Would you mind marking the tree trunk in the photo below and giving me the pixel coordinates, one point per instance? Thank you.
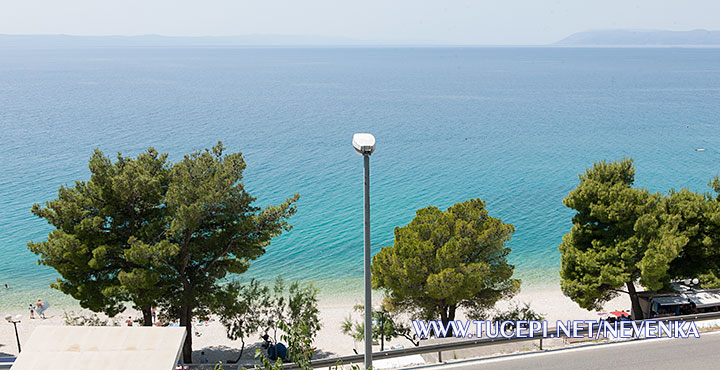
(451, 317)
(147, 315)
(636, 311)
(447, 313)
(186, 321)
(242, 349)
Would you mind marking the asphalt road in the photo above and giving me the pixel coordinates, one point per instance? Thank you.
(656, 354)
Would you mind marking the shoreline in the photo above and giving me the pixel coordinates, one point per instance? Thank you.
(330, 291)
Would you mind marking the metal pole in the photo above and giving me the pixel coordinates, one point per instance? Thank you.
(368, 287)
(17, 337)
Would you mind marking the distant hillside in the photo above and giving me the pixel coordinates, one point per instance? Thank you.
(69, 41)
(642, 38)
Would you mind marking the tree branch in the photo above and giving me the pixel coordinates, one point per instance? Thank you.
(211, 263)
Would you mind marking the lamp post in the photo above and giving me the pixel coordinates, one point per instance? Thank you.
(15, 321)
(364, 144)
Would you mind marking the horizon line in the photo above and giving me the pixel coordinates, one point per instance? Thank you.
(290, 40)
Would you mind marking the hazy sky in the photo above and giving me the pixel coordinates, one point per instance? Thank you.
(446, 21)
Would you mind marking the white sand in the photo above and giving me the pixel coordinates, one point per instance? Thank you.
(548, 301)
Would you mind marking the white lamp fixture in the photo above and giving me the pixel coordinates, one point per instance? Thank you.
(364, 144)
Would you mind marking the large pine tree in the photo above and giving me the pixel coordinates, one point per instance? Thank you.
(149, 232)
(620, 236)
(444, 260)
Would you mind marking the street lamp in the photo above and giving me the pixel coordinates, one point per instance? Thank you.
(15, 321)
(364, 144)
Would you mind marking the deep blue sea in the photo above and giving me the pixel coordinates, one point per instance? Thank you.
(512, 126)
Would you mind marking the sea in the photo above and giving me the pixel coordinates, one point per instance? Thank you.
(511, 126)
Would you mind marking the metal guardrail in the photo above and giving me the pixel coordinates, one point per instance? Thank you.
(479, 342)
(6, 362)
(450, 346)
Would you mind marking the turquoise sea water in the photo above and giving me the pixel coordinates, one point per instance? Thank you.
(513, 126)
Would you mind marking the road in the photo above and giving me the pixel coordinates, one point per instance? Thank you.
(655, 354)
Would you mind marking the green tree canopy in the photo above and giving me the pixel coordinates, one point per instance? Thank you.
(148, 231)
(96, 222)
(620, 235)
(387, 326)
(443, 260)
(241, 309)
(247, 309)
(699, 221)
(214, 229)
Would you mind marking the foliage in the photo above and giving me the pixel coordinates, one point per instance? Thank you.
(81, 319)
(300, 350)
(295, 305)
(241, 309)
(148, 231)
(517, 313)
(600, 254)
(387, 325)
(214, 230)
(246, 309)
(302, 308)
(299, 342)
(443, 260)
(96, 222)
(620, 235)
(699, 222)
(277, 309)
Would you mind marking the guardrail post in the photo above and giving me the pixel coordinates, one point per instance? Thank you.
(439, 356)
(541, 343)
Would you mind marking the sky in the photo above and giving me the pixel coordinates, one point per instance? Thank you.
(498, 22)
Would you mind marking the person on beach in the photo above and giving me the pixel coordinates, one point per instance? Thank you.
(154, 314)
(40, 309)
(7, 286)
(203, 358)
(129, 321)
(31, 308)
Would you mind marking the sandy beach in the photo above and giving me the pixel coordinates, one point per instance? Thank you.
(330, 341)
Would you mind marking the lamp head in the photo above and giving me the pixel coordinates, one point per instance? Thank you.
(364, 144)
(8, 317)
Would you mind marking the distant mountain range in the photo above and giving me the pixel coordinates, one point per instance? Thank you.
(698, 38)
